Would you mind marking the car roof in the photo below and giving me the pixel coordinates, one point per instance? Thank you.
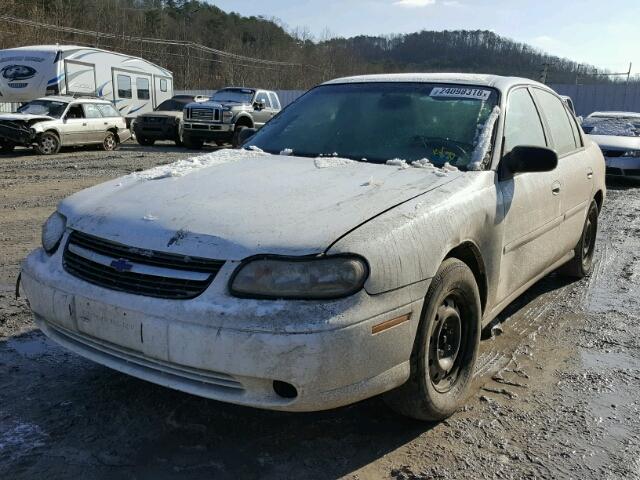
(476, 79)
(70, 99)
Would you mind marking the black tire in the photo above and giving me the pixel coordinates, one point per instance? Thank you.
(6, 147)
(47, 143)
(445, 349)
(110, 142)
(144, 141)
(192, 143)
(219, 143)
(235, 142)
(582, 263)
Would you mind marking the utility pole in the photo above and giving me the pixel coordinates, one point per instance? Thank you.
(545, 72)
(626, 87)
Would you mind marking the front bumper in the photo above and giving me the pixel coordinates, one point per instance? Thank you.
(208, 131)
(16, 135)
(156, 131)
(623, 166)
(231, 349)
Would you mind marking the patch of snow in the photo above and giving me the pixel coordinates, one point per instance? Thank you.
(447, 167)
(611, 126)
(190, 165)
(483, 141)
(329, 162)
(150, 218)
(255, 149)
(286, 151)
(423, 163)
(440, 173)
(373, 183)
(397, 162)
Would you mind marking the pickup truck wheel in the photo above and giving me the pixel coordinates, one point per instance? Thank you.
(235, 142)
(582, 263)
(6, 147)
(445, 348)
(47, 143)
(144, 141)
(192, 143)
(110, 142)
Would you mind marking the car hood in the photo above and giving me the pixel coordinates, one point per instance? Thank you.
(161, 113)
(235, 203)
(614, 142)
(24, 117)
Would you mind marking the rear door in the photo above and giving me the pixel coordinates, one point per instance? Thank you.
(574, 169)
(96, 124)
(261, 117)
(162, 89)
(122, 91)
(531, 201)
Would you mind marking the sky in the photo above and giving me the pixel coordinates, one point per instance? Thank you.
(604, 33)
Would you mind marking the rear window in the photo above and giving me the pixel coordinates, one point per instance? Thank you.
(557, 118)
(108, 110)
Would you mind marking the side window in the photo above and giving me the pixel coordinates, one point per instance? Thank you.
(142, 85)
(91, 110)
(75, 111)
(264, 98)
(574, 126)
(522, 122)
(163, 84)
(558, 120)
(275, 103)
(108, 110)
(124, 86)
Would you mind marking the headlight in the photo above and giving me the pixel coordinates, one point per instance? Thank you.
(227, 114)
(631, 153)
(52, 232)
(299, 278)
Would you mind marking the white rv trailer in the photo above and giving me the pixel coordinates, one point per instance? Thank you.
(134, 85)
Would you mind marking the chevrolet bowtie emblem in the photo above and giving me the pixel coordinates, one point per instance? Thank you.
(121, 265)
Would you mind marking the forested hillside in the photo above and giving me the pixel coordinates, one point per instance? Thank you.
(208, 48)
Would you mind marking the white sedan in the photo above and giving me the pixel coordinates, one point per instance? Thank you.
(356, 245)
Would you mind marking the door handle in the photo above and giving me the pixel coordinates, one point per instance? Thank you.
(589, 174)
(84, 124)
(555, 188)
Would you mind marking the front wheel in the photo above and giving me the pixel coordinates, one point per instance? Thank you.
(582, 262)
(192, 143)
(48, 143)
(235, 141)
(144, 141)
(445, 348)
(110, 142)
(6, 146)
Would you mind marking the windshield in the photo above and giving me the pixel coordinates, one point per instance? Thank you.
(614, 126)
(378, 122)
(44, 107)
(173, 105)
(233, 95)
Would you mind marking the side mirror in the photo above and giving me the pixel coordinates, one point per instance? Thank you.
(527, 159)
(245, 135)
(258, 105)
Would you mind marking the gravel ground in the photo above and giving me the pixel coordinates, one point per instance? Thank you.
(556, 389)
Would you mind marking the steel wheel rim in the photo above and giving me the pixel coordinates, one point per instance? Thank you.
(48, 145)
(589, 240)
(109, 143)
(446, 346)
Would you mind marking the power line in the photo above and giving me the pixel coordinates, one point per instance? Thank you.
(157, 41)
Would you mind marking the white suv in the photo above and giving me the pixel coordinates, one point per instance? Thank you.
(48, 123)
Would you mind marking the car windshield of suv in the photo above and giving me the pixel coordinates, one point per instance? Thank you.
(173, 105)
(233, 95)
(49, 108)
(617, 126)
(378, 122)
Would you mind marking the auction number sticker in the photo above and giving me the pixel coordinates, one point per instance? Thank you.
(459, 92)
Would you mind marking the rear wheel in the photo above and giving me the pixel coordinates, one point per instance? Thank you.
(445, 348)
(582, 263)
(144, 141)
(110, 142)
(48, 143)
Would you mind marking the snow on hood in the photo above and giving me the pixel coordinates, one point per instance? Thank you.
(613, 142)
(24, 116)
(235, 203)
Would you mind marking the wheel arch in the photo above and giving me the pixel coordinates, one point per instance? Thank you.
(244, 121)
(599, 198)
(469, 253)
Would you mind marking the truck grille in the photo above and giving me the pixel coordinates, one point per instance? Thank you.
(204, 114)
(613, 153)
(137, 271)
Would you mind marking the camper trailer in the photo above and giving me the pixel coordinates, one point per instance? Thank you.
(134, 85)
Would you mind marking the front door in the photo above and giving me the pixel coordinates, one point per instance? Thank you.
(531, 202)
(74, 128)
(260, 117)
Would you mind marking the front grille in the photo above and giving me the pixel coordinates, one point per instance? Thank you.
(204, 114)
(613, 171)
(613, 153)
(149, 273)
(154, 119)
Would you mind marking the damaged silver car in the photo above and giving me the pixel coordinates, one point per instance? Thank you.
(49, 123)
(355, 246)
